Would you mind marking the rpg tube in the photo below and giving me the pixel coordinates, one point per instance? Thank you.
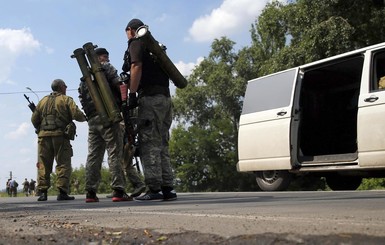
(93, 89)
(105, 90)
(168, 67)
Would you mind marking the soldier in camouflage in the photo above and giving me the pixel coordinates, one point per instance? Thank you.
(154, 113)
(101, 138)
(50, 118)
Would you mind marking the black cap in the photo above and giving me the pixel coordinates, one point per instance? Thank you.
(101, 51)
(134, 24)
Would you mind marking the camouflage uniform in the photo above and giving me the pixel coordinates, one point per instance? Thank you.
(51, 142)
(101, 138)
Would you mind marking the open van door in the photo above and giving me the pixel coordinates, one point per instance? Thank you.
(264, 129)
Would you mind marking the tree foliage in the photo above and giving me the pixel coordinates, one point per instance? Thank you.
(308, 30)
(79, 174)
(204, 145)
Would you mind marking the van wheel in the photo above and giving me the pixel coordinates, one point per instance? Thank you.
(338, 182)
(274, 180)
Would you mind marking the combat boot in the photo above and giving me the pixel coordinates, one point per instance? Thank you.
(63, 196)
(43, 196)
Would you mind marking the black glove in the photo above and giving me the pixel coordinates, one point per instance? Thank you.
(132, 101)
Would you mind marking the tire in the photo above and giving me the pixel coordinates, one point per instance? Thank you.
(274, 180)
(338, 182)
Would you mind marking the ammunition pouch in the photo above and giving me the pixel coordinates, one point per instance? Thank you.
(127, 64)
(50, 120)
(70, 131)
(49, 123)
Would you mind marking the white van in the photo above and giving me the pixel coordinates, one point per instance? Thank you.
(325, 118)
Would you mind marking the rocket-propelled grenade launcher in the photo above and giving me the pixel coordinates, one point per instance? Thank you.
(168, 67)
(97, 84)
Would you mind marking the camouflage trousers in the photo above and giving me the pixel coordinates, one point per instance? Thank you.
(155, 118)
(100, 139)
(52, 148)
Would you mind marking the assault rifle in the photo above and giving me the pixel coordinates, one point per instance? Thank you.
(130, 124)
(31, 105)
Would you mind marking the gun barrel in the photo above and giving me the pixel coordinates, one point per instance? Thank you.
(31, 105)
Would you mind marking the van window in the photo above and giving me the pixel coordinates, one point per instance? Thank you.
(270, 92)
(378, 72)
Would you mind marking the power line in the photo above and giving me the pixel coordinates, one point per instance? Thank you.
(38, 92)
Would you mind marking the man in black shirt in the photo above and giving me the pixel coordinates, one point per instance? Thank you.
(151, 83)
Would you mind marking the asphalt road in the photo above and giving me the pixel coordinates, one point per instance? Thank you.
(226, 215)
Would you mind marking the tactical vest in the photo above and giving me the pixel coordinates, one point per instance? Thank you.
(85, 99)
(50, 120)
(154, 80)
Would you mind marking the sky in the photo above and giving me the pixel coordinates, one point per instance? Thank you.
(38, 37)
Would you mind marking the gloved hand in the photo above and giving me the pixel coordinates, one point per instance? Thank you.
(132, 101)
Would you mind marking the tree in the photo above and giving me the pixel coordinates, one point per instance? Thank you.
(308, 30)
(79, 174)
(203, 146)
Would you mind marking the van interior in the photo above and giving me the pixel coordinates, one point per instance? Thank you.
(328, 108)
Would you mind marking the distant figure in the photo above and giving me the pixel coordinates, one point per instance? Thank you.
(32, 186)
(13, 187)
(8, 188)
(26, 187)
(76, 186)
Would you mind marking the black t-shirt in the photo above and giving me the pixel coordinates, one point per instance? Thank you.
(152, 73)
